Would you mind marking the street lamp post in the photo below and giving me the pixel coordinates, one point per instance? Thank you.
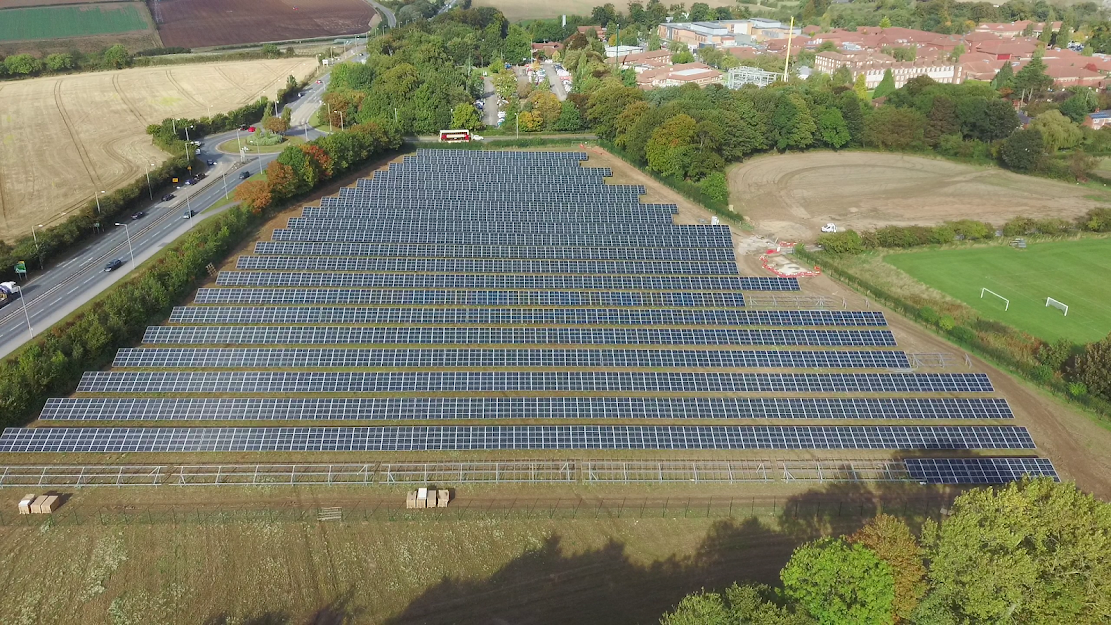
(340, 113)
(149, 189)
(26, 316)
(330, 117)
(97, 198)
(38, 249)
(517, 122)
(224, 177)
(127, 231)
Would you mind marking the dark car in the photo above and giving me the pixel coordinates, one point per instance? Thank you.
(210, 163)
(113, 265)
(188, 214)
(139, 215)
(243, 175)
(189, 181)
(168, 197)
(243, 127)
(200, 176)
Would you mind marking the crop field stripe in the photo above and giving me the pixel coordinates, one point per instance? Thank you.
(1073, 272)
(58, 22)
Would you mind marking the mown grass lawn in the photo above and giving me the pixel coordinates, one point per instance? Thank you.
(1077, 273)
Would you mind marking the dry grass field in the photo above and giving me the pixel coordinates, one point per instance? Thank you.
(516, 10)
(62, 139)
(792, 196)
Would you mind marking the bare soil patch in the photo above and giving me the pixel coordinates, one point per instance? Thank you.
(200, 23)
(791, 196)
(64, 138)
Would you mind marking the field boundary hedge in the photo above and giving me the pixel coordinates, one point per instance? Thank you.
(962, 335)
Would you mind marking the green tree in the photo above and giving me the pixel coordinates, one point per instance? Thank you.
(1079, 105)
(22, 65)
(569, 117)
(700, 12)
(517, 45)
(271, 51)
(792, 125)
(683, 56)
(464, 116)
(59, 62)
(1023, 151)
(851, 112)
(1031, 80)
(886, 86)
(860, 87)
(1093, 367)
(606, 104)
(891, 128)
(1004, 78)
(716, 187)
(842, 76)
(747, 605)
(1046, 546)
(941, 120)
(1057, 131)
(839, 583)
(885, 22)
(117, 57)
(832, 128)
(891, 540)
(670, 147)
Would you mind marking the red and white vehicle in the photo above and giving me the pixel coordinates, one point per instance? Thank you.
(455, 136)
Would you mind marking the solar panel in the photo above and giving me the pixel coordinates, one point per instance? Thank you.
(401, 236)
(453, 408)
(291, 382)
(485, 265)
(461, 297)
(471, 438)
(545, 282)
(514, 316)
(358, 335)
(978, 470)
(326, 357)
(387, 250)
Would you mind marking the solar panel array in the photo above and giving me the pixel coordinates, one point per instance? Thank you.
(524, 297)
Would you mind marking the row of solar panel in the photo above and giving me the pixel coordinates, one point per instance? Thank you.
(448, 171)
(510, 316)
(486, 265)
(455, 408)
(383, 358)
(440, 297)
(288, 382)
(468, 211)
(472, 438)
(472, 156)
(398, 235)
(529, 282)
(356, 335)
(540, 225)
(978, 470)
(321, 248)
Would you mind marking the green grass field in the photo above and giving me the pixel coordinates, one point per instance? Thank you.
(1077, 273)
(57, 22)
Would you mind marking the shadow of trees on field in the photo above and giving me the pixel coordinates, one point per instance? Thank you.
(549, 585)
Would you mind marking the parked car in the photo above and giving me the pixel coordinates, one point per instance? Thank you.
(189, 182)
(113, 265)
(250, 128)
(830, 227)
(200, 176)
(168, 197)
(243, 175)
(138, 215)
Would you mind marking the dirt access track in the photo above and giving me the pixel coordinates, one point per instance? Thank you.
(791, 196)
(64, 138)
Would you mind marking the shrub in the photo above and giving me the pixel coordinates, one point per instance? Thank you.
(946, 322)
(1042, 373)
(847, 242)
(962, 334)
(1078, 389)
(928, 315)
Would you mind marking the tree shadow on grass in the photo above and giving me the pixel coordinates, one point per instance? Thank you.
(548, 585)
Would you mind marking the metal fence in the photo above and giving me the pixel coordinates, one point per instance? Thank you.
(509, 471)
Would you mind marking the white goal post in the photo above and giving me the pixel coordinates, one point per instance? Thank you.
(1006, 302)
(1049, 301)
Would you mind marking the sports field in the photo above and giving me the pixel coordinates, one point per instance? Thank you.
(56, 22)
(1072, 272)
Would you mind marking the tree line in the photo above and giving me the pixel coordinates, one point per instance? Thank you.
(1030, 552)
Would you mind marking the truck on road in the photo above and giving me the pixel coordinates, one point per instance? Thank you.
(9, 291)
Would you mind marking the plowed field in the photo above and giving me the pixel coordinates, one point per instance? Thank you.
(64, 138)
(200, 23)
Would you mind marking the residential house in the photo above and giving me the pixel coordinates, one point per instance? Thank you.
(642, 61)
(873, 65)
(1098, 120)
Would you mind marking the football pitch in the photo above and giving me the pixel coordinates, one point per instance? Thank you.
(1076, 273)
(57, 22)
